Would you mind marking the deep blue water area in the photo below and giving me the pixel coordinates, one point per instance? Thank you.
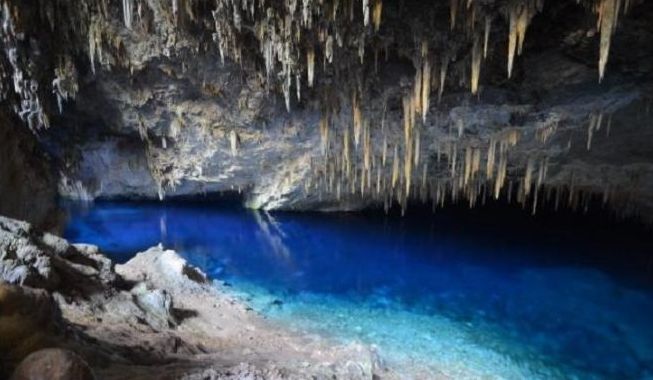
(462, 293)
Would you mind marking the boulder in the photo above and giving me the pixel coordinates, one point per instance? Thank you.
(30, 320)
(156, 304)
(53, 364)
(37, 259)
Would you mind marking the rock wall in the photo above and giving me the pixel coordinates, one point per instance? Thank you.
(28, 185)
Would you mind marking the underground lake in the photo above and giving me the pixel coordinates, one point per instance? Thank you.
(513, 297)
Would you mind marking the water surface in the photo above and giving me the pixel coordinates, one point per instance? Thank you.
(458, 294)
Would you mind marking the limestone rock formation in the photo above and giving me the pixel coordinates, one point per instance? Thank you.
(302, 106)
(30, 257)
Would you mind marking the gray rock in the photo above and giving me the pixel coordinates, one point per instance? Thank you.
(33, 258)
(157, 305)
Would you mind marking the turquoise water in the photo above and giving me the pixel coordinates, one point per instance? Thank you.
(460, 294)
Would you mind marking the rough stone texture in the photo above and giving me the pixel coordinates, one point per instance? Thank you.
(157, 305)
(30, 257)
(164, 127)
(27, 180)
(53, 364)
(157, 114)
(30, 319)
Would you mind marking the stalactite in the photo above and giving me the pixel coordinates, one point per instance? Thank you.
(298, 85)
(417, 142)
(324, 132)
(468, 165)
(491, 154)
(366, 12)
(512, 38)
(384, 153)
(376, 14)
(234, 142)
(460, 126)
(528, 177)
(127, 13)
(476, 65)
(486, 35)
(310, 65)
(608, 11)
(522, 24)
(417, 93)
(357, 116)
(395, 168)
(286, 90)
(426, 88)
(444, 65)
(328, 49)
(423, 188)
(346, 161)
(476, 161)
(367, 147)
(453, 11)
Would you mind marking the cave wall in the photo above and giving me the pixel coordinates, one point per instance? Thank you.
(177, 99)
(28, 185)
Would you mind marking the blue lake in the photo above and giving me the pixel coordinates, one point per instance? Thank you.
(458, 294)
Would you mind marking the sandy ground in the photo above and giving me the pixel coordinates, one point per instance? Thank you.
(201, 331)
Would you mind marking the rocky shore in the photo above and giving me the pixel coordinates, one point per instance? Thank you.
(67, 312)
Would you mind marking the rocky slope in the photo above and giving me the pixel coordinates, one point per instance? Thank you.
(182, 98)
(154, 317)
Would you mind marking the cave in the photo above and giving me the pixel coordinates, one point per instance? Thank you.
(326, 189)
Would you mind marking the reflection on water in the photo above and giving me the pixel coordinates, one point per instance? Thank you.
(444, 293)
